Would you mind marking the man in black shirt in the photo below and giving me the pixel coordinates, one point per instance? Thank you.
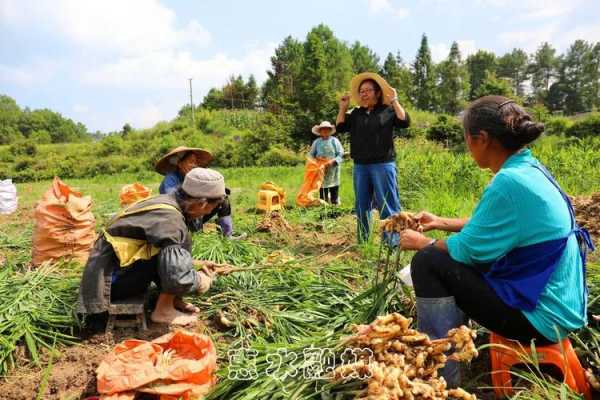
(372, 147)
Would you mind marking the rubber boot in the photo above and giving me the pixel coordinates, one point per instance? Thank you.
(226, 224)
(435, 317)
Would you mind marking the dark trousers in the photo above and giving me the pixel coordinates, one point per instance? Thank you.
(330, 194)
(135, 280)
(435, 274)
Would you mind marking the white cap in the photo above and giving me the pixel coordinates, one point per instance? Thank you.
(204, 182)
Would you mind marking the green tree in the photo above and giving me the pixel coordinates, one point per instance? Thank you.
(543, 70)
(574, 90)
(424, 78)
(61, 129)
(398, 76)
(280, 90)
(593, 72)
(251, 93)
(492, 85)
(453, 87)
(126, 129)
(363, 58)
(326, 72)
(479, 65)
(213, 100)
(10, 114)
(234, 92)
(514, 66)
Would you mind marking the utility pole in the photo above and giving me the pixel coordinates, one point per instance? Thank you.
(192, 103)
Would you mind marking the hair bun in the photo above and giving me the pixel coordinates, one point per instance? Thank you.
(527, 131)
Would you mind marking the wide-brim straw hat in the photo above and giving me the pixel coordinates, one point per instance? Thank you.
(324, 124)
(168, 163)
(386, 89)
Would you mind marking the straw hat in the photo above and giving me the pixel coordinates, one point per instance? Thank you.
(168, 162)
(386, 89)
(325, 124)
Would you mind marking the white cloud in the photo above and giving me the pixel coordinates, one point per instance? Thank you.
(440, 51)
(123, 27)
(589, 33)
(148, 114)
(171, 69)
(386, 7)
(535, 9)
(81, 108)
(529, 40)
(15, 75)
(37, 72)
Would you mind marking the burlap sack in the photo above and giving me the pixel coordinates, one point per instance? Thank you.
(64, 225)
(314, 171)
(132, 193)
(8, 197)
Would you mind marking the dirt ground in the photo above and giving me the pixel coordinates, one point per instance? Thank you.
(73, 372)
(72, 375)
(587, 211)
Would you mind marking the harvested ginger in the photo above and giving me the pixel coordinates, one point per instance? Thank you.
(403, 363)
(399, 222)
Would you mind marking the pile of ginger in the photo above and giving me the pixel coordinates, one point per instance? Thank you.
(400, 363)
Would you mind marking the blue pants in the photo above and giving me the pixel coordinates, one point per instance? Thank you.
(375, 187)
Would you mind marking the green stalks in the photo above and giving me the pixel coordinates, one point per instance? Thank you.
(36, 310)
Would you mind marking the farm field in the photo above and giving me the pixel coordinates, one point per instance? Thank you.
(307, 281)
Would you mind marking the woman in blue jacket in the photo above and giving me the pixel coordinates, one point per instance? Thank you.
(517, 265)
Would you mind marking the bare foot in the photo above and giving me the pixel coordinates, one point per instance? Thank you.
(184, 306)
(173, 317)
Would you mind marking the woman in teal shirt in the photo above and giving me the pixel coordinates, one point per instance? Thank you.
(515, 266)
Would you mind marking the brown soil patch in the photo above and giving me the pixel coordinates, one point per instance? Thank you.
(273, 222)
(73, 373)
(587, 211)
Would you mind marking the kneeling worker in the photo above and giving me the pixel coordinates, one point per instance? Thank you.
(174, 166)
(151, 242)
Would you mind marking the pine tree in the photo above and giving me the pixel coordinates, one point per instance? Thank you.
(363, 59)
(479, 65)
(251, 93)
(424, 77)
(453, 82)
(515, 66)
(326, 73)
(398, 76)
(280, 90)
(574, 90)
(492, 85)
(543, 70)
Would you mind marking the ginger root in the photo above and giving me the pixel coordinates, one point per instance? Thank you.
(405, 362)
(399, 222)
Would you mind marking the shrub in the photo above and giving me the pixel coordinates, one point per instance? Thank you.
(586, 127)
(557, 125)
(539, 112)
(40, 137)
(110, 145)
(23, 147)
(446, 130)
(413, 132)
(278, 155)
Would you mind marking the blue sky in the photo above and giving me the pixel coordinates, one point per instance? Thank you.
(105, 63)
